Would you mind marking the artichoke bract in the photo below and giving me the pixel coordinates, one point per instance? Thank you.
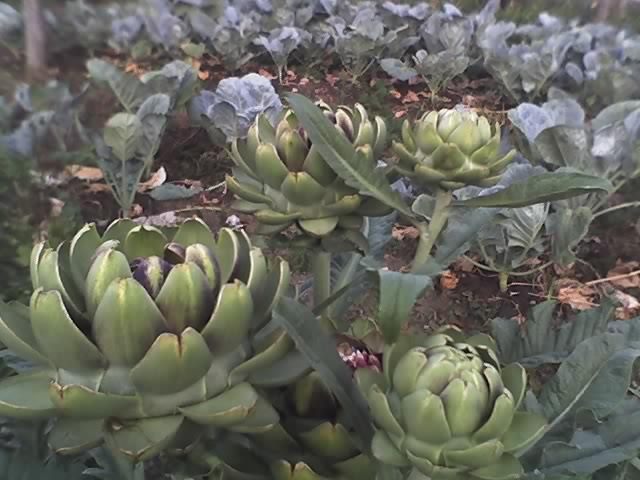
(451, 149)
(311, 438)
(143, 337)
(282, 179)
(446, 408)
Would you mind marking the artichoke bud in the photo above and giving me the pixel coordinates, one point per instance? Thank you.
(466, 136)
(204, 258)
(344, 124)
(449, 120)
(293, 149)
(407, 137)
(448, 157)
(269, 166)
(174, 253)
(484, 128)
(312, 399)
(427, 138)
(150, 272)
(366, 134)
(253, 139)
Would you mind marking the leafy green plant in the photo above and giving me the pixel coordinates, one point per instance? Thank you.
(128, 147)
(557, 134)
(190, 347)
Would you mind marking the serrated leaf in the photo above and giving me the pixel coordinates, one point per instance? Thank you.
(610, 442)
(545, 187)
(320, 351)
(579, 377)
(129, 90)
(398, 69)
(542, 341)
(567, 227)
(354, 169)
(123, 134)
(398, 293)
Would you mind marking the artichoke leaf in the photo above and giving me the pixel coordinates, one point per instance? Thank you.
(227, 409)
(16, 332)
(172, 363)
(143, 439)
(60, 339)
(26, 396)
(71, 436)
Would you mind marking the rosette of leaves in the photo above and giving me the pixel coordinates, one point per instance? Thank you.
(233, 36)
(128, 146)
(523, 69)
(447, 36)
(162, 26)
(405, 15)
(437, 69)
(558, 134)
(283, 180)
(280, 43)
(227, 113)
(605, 77)
(515, 236)
(311, 439)
(141, 338)
(360, 42)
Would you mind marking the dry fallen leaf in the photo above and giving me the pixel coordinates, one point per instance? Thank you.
(401, 232)
(411, 97)
(81, 172)
(395, 94)
(157, 179)
(303, 82)
(624, 268)
(575, 294)
(449, 280)
(630, 305)
(400, 113)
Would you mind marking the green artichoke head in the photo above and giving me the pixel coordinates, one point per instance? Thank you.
(140, 334)
(445, 407)
(451, 149)
(283, 180)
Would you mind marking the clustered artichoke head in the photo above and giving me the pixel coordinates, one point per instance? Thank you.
(451, 149)
(283, 180)
(311, 438)
(448, 410)
(142, 337)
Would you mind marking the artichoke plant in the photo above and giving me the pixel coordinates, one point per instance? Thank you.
(450, 149)
(283, 180)
(446, 408)
(311, 439)
(142, 339)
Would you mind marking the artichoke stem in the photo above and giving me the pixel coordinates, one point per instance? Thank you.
(429, 234)
(321, 269)
(504, 279)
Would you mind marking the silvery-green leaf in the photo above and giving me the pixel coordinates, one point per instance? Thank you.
(235, 104)
(567, 228)
(153, 119)
(546, 339)
(129, 90)
(398, 69)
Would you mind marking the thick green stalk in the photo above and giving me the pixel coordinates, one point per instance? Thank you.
(321, 269)
(429, 233)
